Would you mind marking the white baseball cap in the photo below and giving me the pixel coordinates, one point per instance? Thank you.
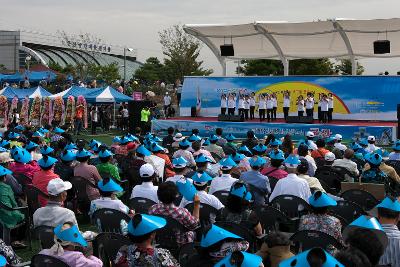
(57, 186)
(310, 134)
(338, 137)
(146, 170)
(330, 156)
(371, 138)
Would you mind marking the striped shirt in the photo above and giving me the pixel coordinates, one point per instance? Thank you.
(392, 251)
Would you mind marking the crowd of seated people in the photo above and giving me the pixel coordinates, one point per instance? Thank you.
(216, 189)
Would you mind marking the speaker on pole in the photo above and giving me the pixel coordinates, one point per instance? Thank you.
(382, 47)
(227, 50)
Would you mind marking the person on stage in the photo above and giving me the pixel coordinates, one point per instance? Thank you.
(274, 99)
(231, 104)
(319, 107)
(241, 105)
(270, 107)
(286, 104)
(246, 107)
(324, 108)
(309, 105)
(330, 107)
(252, 102)
(224, 104)
(262, 105)
(300, 106)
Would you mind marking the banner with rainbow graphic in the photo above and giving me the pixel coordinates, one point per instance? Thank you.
(355, 97)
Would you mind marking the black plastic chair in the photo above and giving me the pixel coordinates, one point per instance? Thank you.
(45, 235)
(109, 220)
(107, 245)
(347, 210)
(166, 236)
(22, 179)
(293, 206)
(80, 185)
(272, 182)
(331, 178)
(241, 231)
(319, 162)
(32, 194)
(186, 253)
(222, 196)
(362, 198)
(307, 239)
(208, 214)
(25, 223)
(272, 218)
(140, 204)
(40, 260)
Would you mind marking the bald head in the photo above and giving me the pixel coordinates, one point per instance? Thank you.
(348, 153)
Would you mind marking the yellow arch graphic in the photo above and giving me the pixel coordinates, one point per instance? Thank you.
(301, 88)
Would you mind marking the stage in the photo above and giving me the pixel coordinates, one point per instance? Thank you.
(384, 131)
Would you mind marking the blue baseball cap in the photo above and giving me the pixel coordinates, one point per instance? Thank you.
(142, 150)
(321, 200)
(83, 153)
(213, 138)
(239, 189)
(373, 158)
(248, 260)
(154, 147)
(37, 134)
(184, 143)
(147, 224)
(368, 223)
(201, 178)
(58, 130)
(186, 189)
(245, 149)
(301, 260)
(390, 204)
(13, 135)
(260, 148)
(105, 153)
(237, 157)
(110, 186)
(46, 150)
(227, 163)
(230, 137)
(180, 162)
(70, 146)
(194, 138)
(31, 145)
(277, 155)
(292, 161)
(201, 158)
(216, 234)
(3, 143)
(275, 142)
(4, 171)
(21, 155)
(71, 234)
(68, 155)
(396, 145)
(46, 162)
(20, 127)
(257, 161)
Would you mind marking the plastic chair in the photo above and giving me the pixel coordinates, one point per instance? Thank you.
(293, 206)
(307, 239)
(222, 196)
(140, 204)
(109, 220)
(331, 178)
(107, 245)
(186, 253)
(272, 182)
(40, 260)
(24, 223)
(32, 194)
(241, 231)
(22, 179)
(208, 214)
(362, 198)
(45, 234)
(271, 218)
(80, 185)
(347, 210)
(166, 236)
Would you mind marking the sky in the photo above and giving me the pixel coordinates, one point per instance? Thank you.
(136, 23)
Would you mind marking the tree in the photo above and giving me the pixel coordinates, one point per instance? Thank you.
(344, 67)
(264, 67)
(182, 52)
(151, 71)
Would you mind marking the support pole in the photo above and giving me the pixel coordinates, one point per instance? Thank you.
(353, 66)
(223, 64)
(285, 63)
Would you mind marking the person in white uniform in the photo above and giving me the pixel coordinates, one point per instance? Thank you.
(300, 106)
(262, 105)
(241, 105)
(246, 109)
(146, 189)
(324, 108)
(252, 102)
(330, 107)
(224, 104)
(270, 107)
(309, 102)
(225, 180)
(291, 184)
(274, 106)
(231, 104)
(167, 104)
(286, 104)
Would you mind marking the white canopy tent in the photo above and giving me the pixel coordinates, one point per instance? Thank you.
(335, 38)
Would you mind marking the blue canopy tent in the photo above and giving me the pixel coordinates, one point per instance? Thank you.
(107, 95)
(33, 76)
(10, 92)
(75, 91)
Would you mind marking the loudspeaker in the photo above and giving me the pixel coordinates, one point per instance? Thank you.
(227, 50)
(135, 107)
(193, 112)
(382, 47)
(301, 119)
(233, 118)
(398, 121)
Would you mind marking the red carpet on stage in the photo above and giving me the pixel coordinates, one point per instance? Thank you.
(335, 122)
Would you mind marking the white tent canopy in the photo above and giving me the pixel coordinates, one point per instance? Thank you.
(336, 38)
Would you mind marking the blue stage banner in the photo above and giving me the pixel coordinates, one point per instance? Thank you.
(350, 133)
(355, 97)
